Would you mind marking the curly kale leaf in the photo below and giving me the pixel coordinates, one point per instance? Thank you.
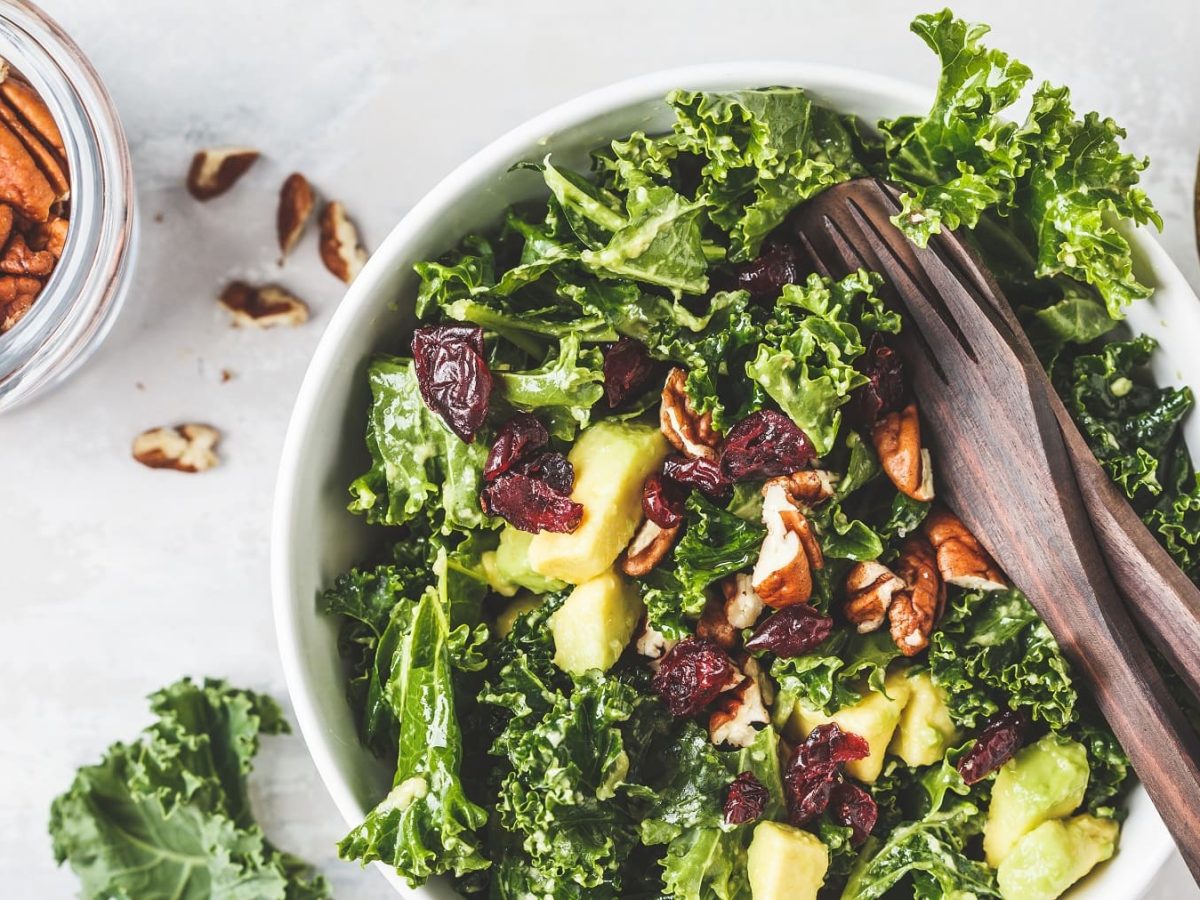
(169, 813)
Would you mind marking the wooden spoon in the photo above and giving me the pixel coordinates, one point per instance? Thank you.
(1005, 467)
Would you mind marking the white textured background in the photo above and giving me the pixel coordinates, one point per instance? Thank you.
(115, 579)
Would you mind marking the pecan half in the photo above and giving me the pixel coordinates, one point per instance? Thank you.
(915, 610)
(341, 249)
(17, 293)
(740, 714)
(262, 307)
(870, 587)
(961, 559)
(184, 448)
(689, 432)
(295, 209)
(19, 259)
(22, 183)
(29, 105)
(783, 572)
(215, 171)
(650, 544)
(52, 165)
(897, 439)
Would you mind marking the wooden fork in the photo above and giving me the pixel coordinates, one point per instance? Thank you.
(1012, 465)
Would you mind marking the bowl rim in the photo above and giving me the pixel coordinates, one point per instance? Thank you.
(362, 294)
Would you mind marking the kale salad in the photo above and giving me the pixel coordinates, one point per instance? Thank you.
(668, 606)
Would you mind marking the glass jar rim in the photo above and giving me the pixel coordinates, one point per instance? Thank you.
(72, 311)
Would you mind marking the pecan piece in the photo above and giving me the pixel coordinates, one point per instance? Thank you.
(809, 488)
(17, 293)
(49, 236)
(961, 559)
(295, 209)
(726, 616)
(650, 544)
(29, 105)
(741, 713)
(915, 610)
(652, 644)
(184, 448)
(262, 307)
(215, 171)
(870, 587)
(22, 184)
(341, 249)
(52, 165)
(689, 432)
(897, 439)
(783, 572)
(19, 259)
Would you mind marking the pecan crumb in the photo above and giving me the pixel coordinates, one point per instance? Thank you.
(216, 170)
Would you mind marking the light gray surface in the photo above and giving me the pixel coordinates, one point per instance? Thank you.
(115, 579)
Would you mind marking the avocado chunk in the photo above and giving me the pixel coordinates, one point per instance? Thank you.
(785, 863)
(1043, 781)
(874, 718)
(926, 729)
(593, 626)
(1055, 855)
(509, 615)
(612, 460)
(507, 567)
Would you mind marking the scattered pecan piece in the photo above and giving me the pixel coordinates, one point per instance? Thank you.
(184, 448)
(262, 307)
(649, 546)
(740, 714)
(216, 170)
(897, 439)
(341, 249)
(961, 559)
(295, 209)
(22, 183)
(870, 587)
(689, 432)
(783, 572)
(915, 610)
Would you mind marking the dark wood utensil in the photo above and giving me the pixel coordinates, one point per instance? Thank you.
(1004, 465)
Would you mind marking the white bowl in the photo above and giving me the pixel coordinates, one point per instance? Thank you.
(314, 538)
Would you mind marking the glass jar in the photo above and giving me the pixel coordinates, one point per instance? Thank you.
(81, 297)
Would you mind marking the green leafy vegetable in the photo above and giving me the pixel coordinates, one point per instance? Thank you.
(832, 675)
(169, 815)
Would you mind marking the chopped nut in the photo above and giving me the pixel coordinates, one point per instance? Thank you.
(19, 259)
(49, 236)
(870, 587)
(915, 610)
(741, 713)
(22, 183)
(897, 439)
(53, 165)
(650, 544)
(652, 644)
(17, 293)
(809, 488)
(295, 209)
(783, 573)
(215, 171)
(961, 559)
(714, 625)
(742, 605)
(185, 448)
(689, 432)
(29, 105)
(341, 250)
(262, 306)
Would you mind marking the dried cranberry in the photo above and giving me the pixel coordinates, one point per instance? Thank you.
(745, 800)
(1001, 737)
(884, 391)
(552, 468)
(530, 504)
(628, 369)
(763, 445)
(517, 438)
(851, 805)
(792, 631)
(691, 676)
(704, 475)
(814, 769)
(662, 501)
(453, 376)
(764, 276)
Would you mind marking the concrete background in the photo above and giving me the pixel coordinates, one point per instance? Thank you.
(114, 579)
